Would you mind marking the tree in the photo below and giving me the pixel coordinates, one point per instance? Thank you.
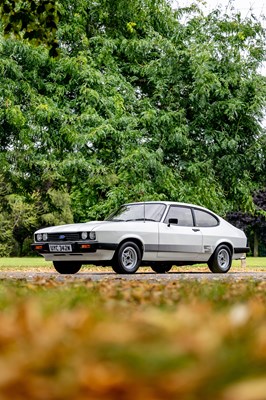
(208, 102)
(141, 103)
(253, 223)
(35, 20)
(21, 215)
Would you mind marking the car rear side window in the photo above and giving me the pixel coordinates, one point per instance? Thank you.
(205, 219)
(182, 214)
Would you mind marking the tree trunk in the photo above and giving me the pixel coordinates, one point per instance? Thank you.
(20, 248)
(256, 245)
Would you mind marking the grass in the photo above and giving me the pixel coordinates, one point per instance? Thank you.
(110, 339)
(23, 262)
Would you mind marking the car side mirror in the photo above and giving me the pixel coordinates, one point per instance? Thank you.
(173, 221)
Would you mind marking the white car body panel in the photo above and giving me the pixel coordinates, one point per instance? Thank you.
(225, 232)
(179, 243)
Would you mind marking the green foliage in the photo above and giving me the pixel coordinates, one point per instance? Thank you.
(143, 103)
(59, 207)
(6, 238)
(35, 20)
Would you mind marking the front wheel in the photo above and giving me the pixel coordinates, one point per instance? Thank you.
(221, 260)
(127, 259)
(67, 267)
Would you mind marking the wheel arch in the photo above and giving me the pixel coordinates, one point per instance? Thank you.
(228, 244)
(223, 243)
(133, 239)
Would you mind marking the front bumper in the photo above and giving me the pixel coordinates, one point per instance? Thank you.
(77, 247)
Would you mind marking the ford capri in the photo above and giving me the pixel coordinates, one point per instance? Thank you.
(159, 234)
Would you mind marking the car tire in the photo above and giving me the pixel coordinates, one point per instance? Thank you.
(67, 267)
(221, 260)
(161, 268)
(127, 258)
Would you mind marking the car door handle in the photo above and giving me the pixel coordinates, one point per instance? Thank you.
(196, 230)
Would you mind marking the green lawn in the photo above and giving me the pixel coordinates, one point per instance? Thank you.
(23, 262)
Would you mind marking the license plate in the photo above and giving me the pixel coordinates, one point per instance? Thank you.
(60, 248)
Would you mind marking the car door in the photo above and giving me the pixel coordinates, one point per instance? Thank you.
(179, 239)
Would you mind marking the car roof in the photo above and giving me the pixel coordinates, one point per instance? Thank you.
(174, 203)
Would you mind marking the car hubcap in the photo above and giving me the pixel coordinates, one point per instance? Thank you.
(223, 259)
(129, 258)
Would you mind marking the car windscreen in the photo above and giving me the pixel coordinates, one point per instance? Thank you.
(138, 212)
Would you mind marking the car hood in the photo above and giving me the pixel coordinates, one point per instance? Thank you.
(86, 226)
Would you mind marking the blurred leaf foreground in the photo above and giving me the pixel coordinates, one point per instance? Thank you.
(132, 340)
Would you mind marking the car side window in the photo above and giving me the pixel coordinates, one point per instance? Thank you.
(182, 214)
(205, 219)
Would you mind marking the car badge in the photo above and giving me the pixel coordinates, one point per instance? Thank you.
(62, 237)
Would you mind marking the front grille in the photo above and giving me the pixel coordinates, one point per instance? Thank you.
(68, 237)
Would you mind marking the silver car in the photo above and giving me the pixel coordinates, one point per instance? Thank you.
(155, 233)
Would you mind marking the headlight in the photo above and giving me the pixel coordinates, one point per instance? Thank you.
(92, 235)
(44, 237)
(39, 237)
(84, 235)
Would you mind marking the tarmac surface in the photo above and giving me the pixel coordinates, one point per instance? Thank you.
(138, 276)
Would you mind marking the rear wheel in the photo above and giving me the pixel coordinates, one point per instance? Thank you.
(127, 258)
(221, 260)
(161, 268)
(67, 267)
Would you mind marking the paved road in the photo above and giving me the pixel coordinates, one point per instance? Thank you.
(140, 276)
